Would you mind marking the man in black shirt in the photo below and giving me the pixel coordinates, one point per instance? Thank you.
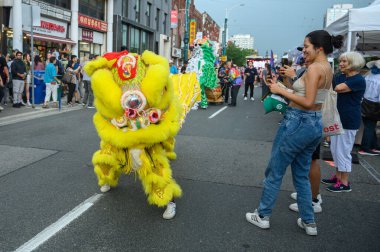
(250, 76)
(18, 70)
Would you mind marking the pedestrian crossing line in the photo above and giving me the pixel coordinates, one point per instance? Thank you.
(371, 170)
(217, 112)
(54, 228)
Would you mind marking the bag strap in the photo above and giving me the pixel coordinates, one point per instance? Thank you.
(324, 70)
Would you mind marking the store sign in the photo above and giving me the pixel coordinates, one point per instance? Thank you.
(92, 23)
(87, 35)
(50, 27)
(193, 31)
(173, 19)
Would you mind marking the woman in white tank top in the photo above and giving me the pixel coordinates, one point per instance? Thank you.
(298, 135)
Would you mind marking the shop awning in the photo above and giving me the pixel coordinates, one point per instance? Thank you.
(51, 38)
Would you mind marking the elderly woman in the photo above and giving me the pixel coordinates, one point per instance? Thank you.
(350, 86)
(371, 110)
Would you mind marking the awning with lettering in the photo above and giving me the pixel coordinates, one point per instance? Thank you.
(51, 38)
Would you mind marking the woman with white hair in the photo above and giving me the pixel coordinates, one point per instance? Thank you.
(350, 86)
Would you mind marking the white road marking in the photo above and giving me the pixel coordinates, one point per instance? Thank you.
(375, 174)
(217, 112)
(54, 228)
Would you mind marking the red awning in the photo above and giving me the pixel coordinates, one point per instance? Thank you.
(51, 38)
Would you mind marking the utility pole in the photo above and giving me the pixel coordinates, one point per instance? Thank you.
(224, 38)
(186, 39)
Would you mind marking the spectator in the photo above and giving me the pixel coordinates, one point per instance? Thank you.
(250, 74)
(88, 94)
(228, 83)
(72, 83)
(350, 86)
(55, 53)
(173, 68)
(51, 81)
(300, 132)
(18, 70)
(38, 65)
(236, 83)
(184, 67)
(4, 73)
(370, 109)
(77, 92)
(28, 79)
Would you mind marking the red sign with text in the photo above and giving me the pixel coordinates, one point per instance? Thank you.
(173, 19)
(92, 23)
(87, 35)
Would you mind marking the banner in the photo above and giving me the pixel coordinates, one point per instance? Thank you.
(173, 19)
(192, 31)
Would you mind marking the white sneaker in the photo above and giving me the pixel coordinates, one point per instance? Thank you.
(256, 220)
(105, 188)
(28, 104)
(316, 206)
(170, 211)
(311, 228)
(252, 99)
(245, 98)
(1, 108)
(294, 196)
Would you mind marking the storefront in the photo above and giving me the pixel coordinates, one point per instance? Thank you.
(51, 35)
(91, 37)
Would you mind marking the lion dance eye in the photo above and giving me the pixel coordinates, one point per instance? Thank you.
(133, 99)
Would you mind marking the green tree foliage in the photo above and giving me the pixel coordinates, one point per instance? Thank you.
(237, 54)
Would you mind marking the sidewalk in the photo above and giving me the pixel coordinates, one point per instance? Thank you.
(13, 115)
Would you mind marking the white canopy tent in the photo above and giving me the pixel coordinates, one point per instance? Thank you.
(361, 29)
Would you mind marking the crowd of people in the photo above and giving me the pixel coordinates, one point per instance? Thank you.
(60, 73)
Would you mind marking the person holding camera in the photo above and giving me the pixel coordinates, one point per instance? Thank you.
(299, 133)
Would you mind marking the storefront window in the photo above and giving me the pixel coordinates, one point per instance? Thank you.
(144, 45)
(92, 8)
(124, 35)
(134, 40)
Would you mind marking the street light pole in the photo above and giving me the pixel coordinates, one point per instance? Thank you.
(186, 39)
(224, 38)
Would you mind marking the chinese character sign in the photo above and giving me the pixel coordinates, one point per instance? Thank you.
(92, 23)
(193, 31)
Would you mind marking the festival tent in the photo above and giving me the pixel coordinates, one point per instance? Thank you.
(361, 29)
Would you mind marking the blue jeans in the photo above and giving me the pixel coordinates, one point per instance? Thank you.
(298, 136)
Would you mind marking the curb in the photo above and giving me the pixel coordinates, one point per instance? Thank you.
(35, 114)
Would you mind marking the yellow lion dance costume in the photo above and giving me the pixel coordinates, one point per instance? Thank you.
(138, 115)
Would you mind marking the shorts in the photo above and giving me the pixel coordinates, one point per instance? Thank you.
(316, 153)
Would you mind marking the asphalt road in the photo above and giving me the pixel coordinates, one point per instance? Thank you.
(46, 172)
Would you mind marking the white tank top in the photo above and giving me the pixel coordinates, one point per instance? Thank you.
(299, 88)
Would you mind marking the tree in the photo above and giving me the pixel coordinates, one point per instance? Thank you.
(237, 54)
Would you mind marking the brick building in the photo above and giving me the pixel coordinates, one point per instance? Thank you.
(204, 24)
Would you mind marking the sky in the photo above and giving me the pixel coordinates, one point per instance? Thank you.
(278, 25)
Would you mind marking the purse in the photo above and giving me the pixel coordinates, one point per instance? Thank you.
(330, 116)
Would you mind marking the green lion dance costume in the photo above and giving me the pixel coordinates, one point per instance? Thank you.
(202, 63)
(138, 115)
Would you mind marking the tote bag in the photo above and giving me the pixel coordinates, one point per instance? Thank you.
(330, 116)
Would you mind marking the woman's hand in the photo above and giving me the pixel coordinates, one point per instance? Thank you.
(288, 71)
(275, 88)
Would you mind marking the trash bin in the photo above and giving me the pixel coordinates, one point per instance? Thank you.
(39, 87)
